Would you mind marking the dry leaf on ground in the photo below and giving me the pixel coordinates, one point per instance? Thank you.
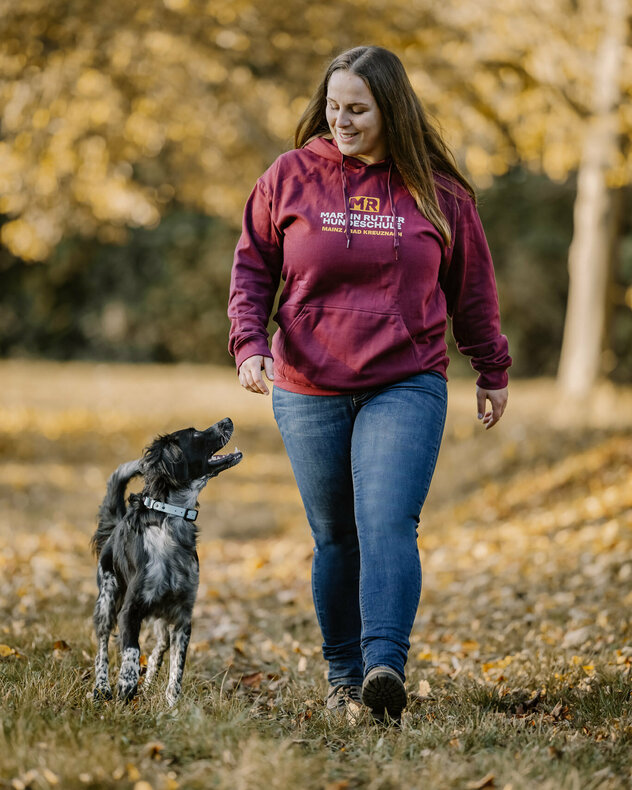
(486, 781)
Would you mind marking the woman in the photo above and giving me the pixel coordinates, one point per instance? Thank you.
(375, 232)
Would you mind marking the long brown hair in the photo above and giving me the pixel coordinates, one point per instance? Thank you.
(413, 142)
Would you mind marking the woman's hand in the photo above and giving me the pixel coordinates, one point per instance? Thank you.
(250, 376)
(498, 399)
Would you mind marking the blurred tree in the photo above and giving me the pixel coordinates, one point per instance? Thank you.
(109, 113)
(555, 82)
(597, 213)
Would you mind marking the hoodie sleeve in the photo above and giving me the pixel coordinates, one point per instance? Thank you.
(254, 278)
(469, 285)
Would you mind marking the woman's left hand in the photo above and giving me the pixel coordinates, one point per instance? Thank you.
(498, 399)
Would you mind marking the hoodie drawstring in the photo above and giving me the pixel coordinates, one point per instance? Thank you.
(345, 198)
(393, 215)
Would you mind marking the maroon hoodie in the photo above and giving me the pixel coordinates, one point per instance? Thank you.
(363, 304)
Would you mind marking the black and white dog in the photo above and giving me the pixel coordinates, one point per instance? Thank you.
(147, 559)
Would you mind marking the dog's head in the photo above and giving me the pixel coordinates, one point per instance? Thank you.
(185, 457)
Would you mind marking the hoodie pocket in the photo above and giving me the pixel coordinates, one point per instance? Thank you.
(340, 347)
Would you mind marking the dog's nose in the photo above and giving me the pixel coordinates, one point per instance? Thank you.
(225, 428)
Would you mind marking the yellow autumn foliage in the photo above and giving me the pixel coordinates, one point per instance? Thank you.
(108, 118)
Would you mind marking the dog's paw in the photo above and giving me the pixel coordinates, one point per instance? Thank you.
(150, 675)
(102, 694)
(172, 695)
(129, 674)
(126, 692)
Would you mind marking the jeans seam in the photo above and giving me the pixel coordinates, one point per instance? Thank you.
(429, 473)
(435, 450)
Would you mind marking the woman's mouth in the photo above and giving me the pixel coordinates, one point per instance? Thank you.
(346, 136)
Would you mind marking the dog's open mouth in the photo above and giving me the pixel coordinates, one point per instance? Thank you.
(220, 461)
(227, 459)
(220, 435)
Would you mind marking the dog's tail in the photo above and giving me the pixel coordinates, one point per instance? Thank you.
(113, 507)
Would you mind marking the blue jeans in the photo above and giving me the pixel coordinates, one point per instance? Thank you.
(363, 464)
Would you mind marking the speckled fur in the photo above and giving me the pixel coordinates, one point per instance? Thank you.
(147, 561)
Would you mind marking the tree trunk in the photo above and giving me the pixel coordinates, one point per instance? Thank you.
(594, 217)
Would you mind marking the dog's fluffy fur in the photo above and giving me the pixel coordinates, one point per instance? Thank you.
(147, 560)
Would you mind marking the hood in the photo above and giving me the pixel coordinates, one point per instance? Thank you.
(327, 148)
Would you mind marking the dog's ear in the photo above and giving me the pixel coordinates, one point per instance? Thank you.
(165, 459)
(174, 464)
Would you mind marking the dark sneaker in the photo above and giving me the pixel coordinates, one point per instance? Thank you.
(383, 692)
(346, 700)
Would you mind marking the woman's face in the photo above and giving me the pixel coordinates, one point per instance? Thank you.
(354, 118)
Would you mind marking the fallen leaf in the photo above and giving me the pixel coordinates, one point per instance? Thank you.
(133, 774)
(154, 750)
(6, 651)
(560, 711)
(143, 785)
(576, 637)
(200, 647)
(50, 777)
(277, 684)
(486, 781)
(424, 688)
(60, 648)
(29, 778)
(252, 681)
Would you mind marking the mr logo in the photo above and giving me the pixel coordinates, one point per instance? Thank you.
(361, 203)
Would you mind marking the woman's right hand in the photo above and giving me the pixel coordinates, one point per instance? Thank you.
(250, 376)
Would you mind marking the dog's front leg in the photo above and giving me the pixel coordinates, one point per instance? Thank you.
(130, 619)
(161, 632)
(180, 636)
(104, 617)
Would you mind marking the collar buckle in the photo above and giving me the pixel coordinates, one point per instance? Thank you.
(189, 514)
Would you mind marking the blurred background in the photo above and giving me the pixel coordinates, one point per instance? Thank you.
(131, 136)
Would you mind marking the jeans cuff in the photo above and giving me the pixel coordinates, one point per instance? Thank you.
(349, 680)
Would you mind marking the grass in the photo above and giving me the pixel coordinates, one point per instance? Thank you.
(519, 670)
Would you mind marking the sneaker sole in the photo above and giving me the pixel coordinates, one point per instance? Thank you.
(383, 692)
